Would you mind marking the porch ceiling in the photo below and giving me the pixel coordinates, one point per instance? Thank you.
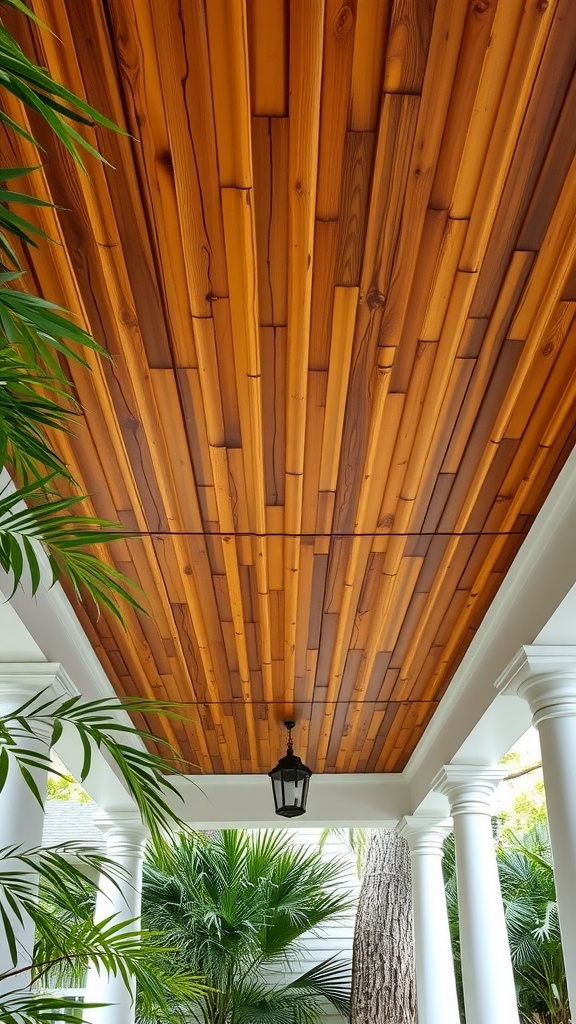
(334, 267)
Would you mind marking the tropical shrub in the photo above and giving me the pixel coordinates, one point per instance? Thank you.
(527, 880)
(236, 905)
(66, 934)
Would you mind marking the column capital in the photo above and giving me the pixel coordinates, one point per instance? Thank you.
(545, 675)
(469, 787)
(425, 834)
(124, 831)
(22, 680)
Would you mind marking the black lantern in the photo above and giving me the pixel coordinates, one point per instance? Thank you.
(290, 780)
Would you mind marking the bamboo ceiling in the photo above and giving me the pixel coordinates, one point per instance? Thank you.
(335, 272)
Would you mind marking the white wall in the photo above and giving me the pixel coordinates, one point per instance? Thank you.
(335, 937)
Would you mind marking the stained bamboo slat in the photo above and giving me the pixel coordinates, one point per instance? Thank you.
(334, 269)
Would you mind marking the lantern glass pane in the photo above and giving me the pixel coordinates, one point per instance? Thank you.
(277, 789)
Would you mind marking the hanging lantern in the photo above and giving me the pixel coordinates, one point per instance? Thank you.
(290, 780)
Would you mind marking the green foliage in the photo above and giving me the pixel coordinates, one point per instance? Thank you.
(98, 727)
(35, 392)
(527, 880)
(65, 787)
(356, 840)
(236, 905)
(64, 538)
(38, 91)
(67, 939)
(27, 1008)
(528, 810)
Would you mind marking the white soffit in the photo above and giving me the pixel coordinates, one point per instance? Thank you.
(16, 643)
(536, 603)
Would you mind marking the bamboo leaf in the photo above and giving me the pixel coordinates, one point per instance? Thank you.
(30, 782)
(4, 767)
(9, 935)
(19, 5)
(9, 173)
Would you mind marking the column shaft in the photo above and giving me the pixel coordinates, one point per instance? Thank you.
(22, 823)
(125, 847)
(558, 743)
(487, 976)
(552, 699)
(435, 981)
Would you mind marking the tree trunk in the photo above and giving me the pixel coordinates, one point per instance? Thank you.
(383, 989)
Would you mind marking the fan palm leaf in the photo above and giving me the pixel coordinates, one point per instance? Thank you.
(238, 907)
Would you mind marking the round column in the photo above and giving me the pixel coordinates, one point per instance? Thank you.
(21, 815)
(435, 982)
(488, 981)
(552, 700)
(125, 845)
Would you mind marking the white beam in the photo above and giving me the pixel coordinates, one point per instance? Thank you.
(234, 801)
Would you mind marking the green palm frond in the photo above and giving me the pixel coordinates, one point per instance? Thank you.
(39, 330)
(56, 104)
(30, 403)
(331, 979)
(31, 1008)
(65, 537)
(22, 8)
(12, 224)
(99, 727)
(66, 891)
(124, 951)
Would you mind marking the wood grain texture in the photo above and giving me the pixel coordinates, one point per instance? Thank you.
(335, 269)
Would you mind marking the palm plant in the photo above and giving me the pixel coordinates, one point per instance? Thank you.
(237, 906)
(527, 880)
(36, 339)
(67, 939)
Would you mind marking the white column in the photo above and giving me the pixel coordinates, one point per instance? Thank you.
(21, 815)
(125, 844)
(435, 982)
(488, 981)
(546, 678)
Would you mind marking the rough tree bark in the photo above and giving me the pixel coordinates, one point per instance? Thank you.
(383, 990)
